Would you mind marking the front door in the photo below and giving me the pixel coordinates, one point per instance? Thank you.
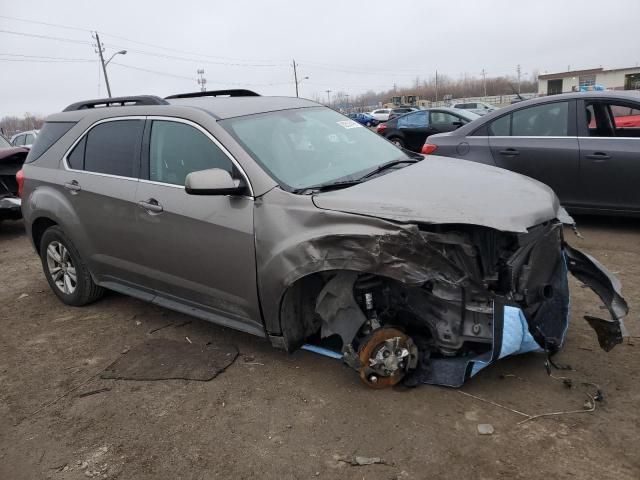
(199, 251)
(540, 142)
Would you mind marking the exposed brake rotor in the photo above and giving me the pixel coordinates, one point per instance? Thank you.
(386, 355)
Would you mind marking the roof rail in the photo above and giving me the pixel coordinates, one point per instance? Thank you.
(117, 101)
(238, 92)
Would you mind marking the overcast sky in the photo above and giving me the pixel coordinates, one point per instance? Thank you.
(343, 45)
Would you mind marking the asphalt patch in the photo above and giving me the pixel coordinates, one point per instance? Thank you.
(164, 359)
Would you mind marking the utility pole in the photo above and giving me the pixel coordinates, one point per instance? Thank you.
(328, 97)
(295, 76)
(99, 51)
(202, 81)
(436, 86)
(519, 71)
(484, 81)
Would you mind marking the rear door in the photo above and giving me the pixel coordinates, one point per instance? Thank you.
(540, 141)
(198, 250)
(99, 180)
(609, 140)
(415, 129)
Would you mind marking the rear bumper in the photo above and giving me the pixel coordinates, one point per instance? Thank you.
(10, 208)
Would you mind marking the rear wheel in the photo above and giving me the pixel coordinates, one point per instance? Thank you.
(67, 274)
(398, 142)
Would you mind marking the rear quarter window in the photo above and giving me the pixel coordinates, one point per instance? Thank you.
(50, 133)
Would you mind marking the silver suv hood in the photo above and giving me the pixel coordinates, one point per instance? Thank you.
(444, 190)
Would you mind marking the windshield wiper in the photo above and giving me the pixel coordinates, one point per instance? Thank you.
(386, 166)
(325, 187)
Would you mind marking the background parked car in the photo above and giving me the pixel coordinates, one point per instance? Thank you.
(11, 161)
(364, 119)
(381, 114)
(411, 130)
(577, 143)
(481, 108)
(24, 139)
(398, 111)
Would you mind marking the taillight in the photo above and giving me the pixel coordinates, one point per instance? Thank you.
(428, 148)
(20, 181)
(381, 128)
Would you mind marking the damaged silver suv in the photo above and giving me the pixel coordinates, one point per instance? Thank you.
(282, 218)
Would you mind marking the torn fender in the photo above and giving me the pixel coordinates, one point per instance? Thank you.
(319, 240)
(593, 274)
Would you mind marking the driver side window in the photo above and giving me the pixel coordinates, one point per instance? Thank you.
(443, 118)
(177, 149)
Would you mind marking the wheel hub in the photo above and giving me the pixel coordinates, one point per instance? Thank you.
(386, 355)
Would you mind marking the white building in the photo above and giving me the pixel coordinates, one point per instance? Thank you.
(614, 79)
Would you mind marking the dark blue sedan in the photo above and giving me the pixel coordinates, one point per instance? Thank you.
(364, 119)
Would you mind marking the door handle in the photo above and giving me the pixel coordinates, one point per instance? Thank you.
(509, 152)
(73, 186)
(599, 156)
(151, 206)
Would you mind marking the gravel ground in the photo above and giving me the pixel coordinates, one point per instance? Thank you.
(273, 415)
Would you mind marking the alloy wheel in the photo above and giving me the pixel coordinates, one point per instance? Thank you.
(61, 268)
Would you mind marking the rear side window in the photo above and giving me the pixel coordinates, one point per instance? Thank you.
(177, 149)
(114, 148)
(550, 120)
(414, 120)
(50, 133)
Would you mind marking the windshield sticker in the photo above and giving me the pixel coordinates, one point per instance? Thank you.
(349, 124)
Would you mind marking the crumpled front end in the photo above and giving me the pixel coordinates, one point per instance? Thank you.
(496, 294)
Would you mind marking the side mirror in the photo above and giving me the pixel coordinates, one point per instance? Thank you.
(213, 181)
(457, 123)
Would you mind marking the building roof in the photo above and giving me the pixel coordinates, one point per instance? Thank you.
(575, 73)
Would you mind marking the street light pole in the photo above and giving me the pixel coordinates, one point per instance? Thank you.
(328, 97)
(104, 64)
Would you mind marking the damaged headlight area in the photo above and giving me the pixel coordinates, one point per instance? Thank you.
(493, 294)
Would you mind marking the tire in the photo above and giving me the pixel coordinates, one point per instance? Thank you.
(397, 141)
(60, 260)
(368, 124)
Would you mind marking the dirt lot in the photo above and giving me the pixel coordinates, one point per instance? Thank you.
(273, 415)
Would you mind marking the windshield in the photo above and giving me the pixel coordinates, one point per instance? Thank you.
(304, 147)
(4, 143)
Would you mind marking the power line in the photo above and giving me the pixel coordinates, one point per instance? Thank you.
(183, 77)
(47, 37)
(45, 23)
(194, 60)
(33, 60)
(56, 25)
(140, 52)
(48, 58)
